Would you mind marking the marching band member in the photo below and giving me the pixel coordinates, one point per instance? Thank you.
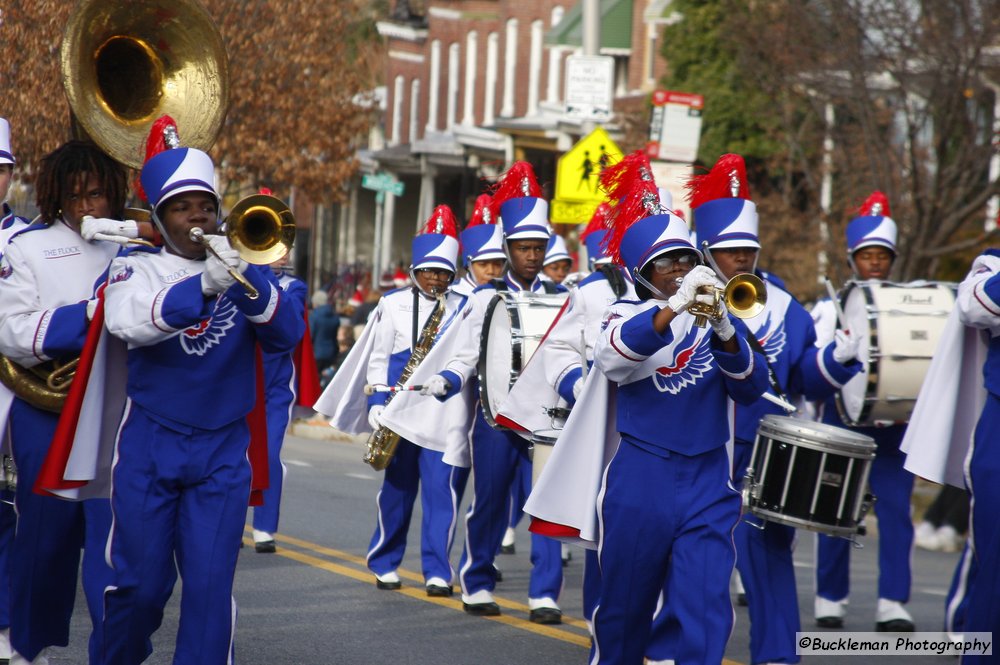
(667, 370)
(281, 376)
(379, 358)
(181, 477)
(871, 246)
(727, 222)
(47, 282)
(978, 307)
(557, 262)
(482, 249)
(495, 454)
(9, 225)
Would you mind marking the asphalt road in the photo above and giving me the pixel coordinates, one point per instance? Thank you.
(314, 602)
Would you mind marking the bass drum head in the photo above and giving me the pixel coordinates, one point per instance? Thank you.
(496, 357)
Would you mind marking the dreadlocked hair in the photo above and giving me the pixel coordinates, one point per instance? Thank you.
(64, 169)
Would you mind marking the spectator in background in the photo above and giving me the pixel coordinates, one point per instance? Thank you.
(945, 522)
(323, 325)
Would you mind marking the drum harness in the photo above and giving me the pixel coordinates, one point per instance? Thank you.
(772, 377)
(500, 284)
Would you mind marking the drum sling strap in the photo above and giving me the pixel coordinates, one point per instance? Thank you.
(772, 378)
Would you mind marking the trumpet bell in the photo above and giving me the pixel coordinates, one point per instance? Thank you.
(745, 296)
(124, 64)
(261, 228)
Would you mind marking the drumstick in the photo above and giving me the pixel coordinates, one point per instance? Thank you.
(784, 404)
(841, 319)
(371, 389)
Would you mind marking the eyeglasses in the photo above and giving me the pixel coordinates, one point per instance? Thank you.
(435, 272)
(665, 264)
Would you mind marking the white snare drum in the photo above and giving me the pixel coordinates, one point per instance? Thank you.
(514, 326)
(8, 480)
(809, 475)
(900, 326)
(542, 442)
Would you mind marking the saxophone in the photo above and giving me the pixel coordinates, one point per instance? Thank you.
(383, 441)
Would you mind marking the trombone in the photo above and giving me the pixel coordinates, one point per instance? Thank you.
(260, 228)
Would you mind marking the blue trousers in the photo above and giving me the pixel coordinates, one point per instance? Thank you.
(892, 486)
(519, 491)
(495, 458)
(764, 559)
(983, 612)
(179, 494)
(441, 486)
(265, 517)
(45, 556)
(956, 604)
(8, 520)
(667, 522)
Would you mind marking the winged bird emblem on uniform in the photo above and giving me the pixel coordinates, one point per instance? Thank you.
(202, 337)
(772, 338)
(692, 360)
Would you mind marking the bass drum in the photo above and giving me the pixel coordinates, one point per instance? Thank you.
(900, 325)
(809, 475)
(514, 326)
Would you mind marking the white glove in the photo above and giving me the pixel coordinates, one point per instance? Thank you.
(375, 416)
(845, 347)
(91, 308)
(100, 228)
(216, 278)
(437, 386)
(722, 326)
(578, 388)
(687, 292)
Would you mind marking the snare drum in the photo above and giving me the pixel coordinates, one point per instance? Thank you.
(514, 326)
(809, 475)
(900, 326)
(542, 442)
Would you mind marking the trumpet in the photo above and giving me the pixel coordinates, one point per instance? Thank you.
(261, 228)
(744, 295)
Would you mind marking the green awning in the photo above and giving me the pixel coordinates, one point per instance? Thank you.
(616, 26)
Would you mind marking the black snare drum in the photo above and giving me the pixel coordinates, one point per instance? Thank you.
(809, 475)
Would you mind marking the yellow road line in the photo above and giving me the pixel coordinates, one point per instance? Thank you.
(419, 594)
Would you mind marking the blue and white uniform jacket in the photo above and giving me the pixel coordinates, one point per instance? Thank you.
(392, 331)
(279, 368)
(575, 334)
(979, 307)
(465, 286)
(786, 332)
(674, 389)
(191, 357)
(9, 225)
(47, 275)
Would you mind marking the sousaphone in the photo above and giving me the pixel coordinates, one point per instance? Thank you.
(126, 63)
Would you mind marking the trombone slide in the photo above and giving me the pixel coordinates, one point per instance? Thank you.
(198, 236)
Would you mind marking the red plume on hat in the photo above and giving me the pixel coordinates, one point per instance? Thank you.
(519, 181)
(727, 179)
(598, 221)
(481, 212)
(630, 183)
(875, 205)
(162, 136)
(442, 220)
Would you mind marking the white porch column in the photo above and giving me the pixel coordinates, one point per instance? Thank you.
(509, 70)
(452, 102)
(492, 59)
(397, 111)
(535, 66)
(435, 87)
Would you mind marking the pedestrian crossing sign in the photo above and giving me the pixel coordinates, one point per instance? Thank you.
(577, 178)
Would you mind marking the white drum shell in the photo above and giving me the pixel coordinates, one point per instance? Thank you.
(900, 326)
(542, 443)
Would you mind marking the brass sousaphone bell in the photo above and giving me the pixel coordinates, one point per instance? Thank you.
(125, 64)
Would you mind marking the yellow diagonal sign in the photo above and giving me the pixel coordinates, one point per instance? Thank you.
(577, 177)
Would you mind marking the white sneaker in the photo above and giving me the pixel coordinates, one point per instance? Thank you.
(40, 659)
(948, 539)
(5, 650)
(508, 538)
(830, 613)
(262, 536)
(539, 603)
(925, 537)
(478, 598)
(891, 616)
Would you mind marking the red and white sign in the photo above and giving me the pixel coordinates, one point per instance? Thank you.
(675, 126)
